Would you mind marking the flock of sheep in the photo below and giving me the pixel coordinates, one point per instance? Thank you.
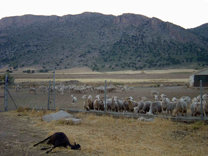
(160, 104)
(62, 89)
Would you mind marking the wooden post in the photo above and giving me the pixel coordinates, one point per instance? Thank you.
(6, 94)
(54, 91)
(105, 92)
(49, 94)
(201, 100)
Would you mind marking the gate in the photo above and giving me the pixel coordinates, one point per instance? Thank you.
(6, 95)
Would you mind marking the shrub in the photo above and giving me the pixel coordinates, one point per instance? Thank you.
(43, 70)
(10, 79)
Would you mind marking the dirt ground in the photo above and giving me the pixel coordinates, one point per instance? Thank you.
(102, 135)
(17, 135)
(19, 132)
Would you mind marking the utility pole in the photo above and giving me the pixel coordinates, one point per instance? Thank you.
(49, 95)
(105, 92)
(201, 100)
(6, 94)
(54, 91)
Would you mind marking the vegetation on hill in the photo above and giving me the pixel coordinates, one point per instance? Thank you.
(202, 31)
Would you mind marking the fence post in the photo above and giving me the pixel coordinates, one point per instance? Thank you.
(5, 93)
(105, 92)
(54, 91)
(49, 94)
(11, 98)
(201, 100)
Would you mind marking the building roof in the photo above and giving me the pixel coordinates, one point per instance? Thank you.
(202, 72)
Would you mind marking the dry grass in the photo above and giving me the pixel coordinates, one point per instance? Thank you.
(122, 81)
(104, 135)
(86, 70)
(124, 77)
(80, 70)
(165, 71)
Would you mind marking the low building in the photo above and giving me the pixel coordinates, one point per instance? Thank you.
(196, 77)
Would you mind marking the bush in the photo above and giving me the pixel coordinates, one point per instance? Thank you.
(29, 71)
(10, 79)
(43, 70)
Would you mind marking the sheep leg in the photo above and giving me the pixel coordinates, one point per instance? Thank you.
(45, 148)
(58, 143)
(51, 149)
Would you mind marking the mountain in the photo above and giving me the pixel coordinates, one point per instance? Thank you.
(101, 42)
(202, 31)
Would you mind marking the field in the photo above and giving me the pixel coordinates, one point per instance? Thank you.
(172, 82)
(123, 77)
(101, 135)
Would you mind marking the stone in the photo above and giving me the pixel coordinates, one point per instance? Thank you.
(73, 121)
(57, 116)
(145, 119)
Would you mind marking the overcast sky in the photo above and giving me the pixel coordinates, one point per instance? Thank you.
(186, 13)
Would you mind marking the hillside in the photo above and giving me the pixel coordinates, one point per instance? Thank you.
(202, 31)
(101, 42)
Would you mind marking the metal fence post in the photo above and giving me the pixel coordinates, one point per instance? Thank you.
(201, 100)
(54, 91)
(5, 93)
(105, 92)
(11, 98)
(49, 94)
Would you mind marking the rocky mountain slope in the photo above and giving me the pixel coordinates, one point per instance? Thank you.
(101, 42)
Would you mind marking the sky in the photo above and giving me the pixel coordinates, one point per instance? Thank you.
(186, 13)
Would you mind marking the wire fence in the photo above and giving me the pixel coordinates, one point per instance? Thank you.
(49, 95)
(59, 96)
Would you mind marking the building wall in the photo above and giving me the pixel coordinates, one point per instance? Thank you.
(197, 79)
(191, 81)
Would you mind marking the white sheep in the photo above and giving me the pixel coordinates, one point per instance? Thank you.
(162, 96)
(165, 102)
(195, 108)
(187, 99)
(74, 99)
(181, 107)
(17, 88)
(170, 107)
(205, 107)
(120, 105)
(146, 107)
(156, 97)
(139, 107)
(174, 99)
(155, 108)
(84, 96)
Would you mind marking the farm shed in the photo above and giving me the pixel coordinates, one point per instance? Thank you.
(196, 77)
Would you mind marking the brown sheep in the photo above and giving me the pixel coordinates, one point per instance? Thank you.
(129, 105)
(88, 103)
(98, 103)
